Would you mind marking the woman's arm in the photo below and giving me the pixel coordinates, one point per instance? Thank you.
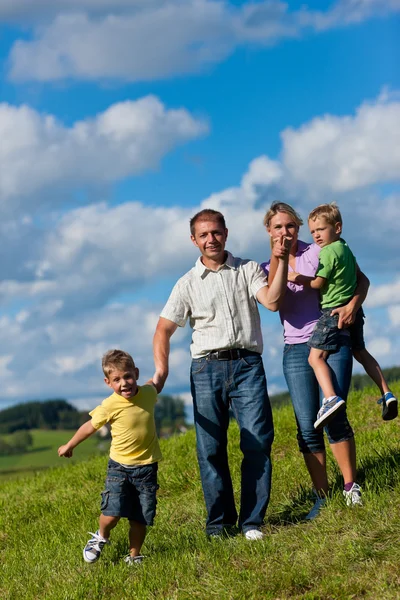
(347, 313)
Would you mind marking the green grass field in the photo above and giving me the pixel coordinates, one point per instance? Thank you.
(344, 554)
(43, 453)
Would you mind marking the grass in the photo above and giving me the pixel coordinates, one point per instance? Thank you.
(43, 453)
(344, 554)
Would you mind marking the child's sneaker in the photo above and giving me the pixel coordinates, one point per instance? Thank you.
(389, 406)
(353, 496)
(318, 504)
(327, 411)
(93, 548)
(133, 560)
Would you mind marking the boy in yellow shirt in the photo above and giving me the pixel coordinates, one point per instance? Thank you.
(131, 482)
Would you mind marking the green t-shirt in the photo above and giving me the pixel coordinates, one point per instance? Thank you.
(337, 265)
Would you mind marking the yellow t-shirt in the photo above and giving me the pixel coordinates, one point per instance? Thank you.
(133, 430)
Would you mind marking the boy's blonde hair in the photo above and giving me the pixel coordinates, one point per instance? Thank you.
(329, 212)
(277, 207)
(117, 359)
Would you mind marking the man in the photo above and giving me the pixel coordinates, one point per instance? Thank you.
(219, 296)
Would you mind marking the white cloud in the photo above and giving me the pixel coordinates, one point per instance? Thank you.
(344, 153)
(142, 41)
(40, 154)
(394, 314)
(384, 295)
(379, 347)
(72, 280)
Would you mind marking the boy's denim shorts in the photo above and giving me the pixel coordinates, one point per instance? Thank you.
(357, 331)
(130, 492)
(326, 334)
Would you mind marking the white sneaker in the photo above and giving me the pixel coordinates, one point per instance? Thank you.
(133, 560)
(253, 534)
(353, 496)
(93, 548)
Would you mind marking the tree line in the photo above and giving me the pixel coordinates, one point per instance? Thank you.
(59, 414)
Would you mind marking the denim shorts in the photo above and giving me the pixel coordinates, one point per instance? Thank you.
(326, 333)
(356, 331)
(130, 492)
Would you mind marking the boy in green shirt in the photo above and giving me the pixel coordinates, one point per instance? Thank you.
(336, 278)
(131, 483)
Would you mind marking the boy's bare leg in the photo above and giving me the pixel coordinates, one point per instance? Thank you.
(372, 369)
(345, 455)
(317, 361)
(106, 524)
(137, 534)
(316, 466)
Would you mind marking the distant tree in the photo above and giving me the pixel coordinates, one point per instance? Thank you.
(50, 414)
(169, 413)
(20, 441)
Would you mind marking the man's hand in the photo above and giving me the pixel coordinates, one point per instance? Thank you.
(159, 381)
(347, 315)
(65, 451)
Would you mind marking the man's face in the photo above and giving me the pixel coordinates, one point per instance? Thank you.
(123, 382)
(210, 238)
(324, 233)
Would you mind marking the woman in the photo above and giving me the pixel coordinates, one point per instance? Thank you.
(299, 311)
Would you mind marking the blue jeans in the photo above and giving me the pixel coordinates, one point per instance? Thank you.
(215, 385)
(305, 394)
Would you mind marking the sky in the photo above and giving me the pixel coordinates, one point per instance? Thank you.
(120, 119)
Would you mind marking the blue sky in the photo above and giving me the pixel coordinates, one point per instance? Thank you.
(120, 119)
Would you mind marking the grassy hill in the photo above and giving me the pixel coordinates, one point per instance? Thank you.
(344, 554)
(43, 453)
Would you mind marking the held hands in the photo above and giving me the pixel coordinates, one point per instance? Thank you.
(281, 246)
(65, 451)
(159, 381)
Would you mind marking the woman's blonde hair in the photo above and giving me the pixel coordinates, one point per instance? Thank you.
(277, 207)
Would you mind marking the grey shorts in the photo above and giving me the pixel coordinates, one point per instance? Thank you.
(130, 492)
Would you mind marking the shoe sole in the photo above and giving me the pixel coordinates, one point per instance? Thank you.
(90, 561)
(329, 415)
(391, 411)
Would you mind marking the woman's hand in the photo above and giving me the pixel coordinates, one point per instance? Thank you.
(281, 246)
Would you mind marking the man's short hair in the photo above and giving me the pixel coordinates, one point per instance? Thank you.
(329, 212)
(207, 214)
(117, 359)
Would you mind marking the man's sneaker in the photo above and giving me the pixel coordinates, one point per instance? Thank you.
(389, 406)
(318, 504)
(328, 410)
(93, 548)
(133, 560)
(253, 534)
(353, 496)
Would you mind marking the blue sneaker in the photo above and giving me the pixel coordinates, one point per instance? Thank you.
(328, 410)
(389, 406)
(318, 504)
(92, 550)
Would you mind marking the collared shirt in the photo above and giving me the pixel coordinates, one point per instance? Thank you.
(221, 306)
